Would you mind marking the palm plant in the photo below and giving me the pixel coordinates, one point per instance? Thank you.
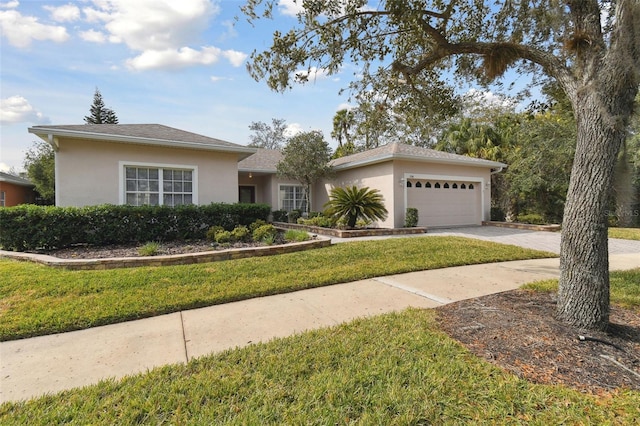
(354, 203)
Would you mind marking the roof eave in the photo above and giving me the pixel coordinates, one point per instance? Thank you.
(44, 133)
(389, 157)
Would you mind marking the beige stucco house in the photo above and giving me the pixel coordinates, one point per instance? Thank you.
(154, 164)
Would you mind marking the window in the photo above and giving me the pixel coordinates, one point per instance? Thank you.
(158, 186)
(427, 185)
(446, 185)
(470, 186)
(292, 198)
(463, 186)
(3, 197)
(418, 184)
(437, 185)
(454, 186)
(409, 184)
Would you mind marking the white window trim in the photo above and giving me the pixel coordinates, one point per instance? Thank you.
(121, 177)
(280, 185)
(472, 179)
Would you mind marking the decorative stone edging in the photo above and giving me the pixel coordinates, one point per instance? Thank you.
(164, 260)
(515, 225)
(341, 233)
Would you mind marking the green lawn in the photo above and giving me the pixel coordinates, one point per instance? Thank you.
(625, 233)
(38, 300)
(394, 369)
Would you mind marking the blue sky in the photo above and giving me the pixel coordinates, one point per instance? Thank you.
(179, 63)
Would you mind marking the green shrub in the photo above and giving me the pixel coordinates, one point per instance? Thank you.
(223, 237)
(353, 203)
(29, 227)
(241, 233)
(264, 233)
(149, 249)
(294, 215)
(411, 218)
(294, 235)
(314, 214)
(211, 232)
(532, 218)
(257, 224)
(279, 215)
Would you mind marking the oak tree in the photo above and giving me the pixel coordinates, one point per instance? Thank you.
(403, 48)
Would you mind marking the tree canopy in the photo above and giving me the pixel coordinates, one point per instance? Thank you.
(401, 50)
(99, 114)
(39, 163)
(305, 159)
(266, 136)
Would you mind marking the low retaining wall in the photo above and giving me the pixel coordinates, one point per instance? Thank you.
(343, 233)
(549, 228)
(164, 260)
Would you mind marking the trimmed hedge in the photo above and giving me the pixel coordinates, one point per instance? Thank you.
(30, 227)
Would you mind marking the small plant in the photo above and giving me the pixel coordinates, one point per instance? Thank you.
(411, 219)
(265, 232)
(149, 249)
(294, 235)
(279, 215)
(534, 219)
(211, 232)
(224, 237)
(241, 233)
(257, 224)
(294, 215)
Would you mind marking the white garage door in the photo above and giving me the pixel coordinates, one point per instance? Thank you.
(445, 203)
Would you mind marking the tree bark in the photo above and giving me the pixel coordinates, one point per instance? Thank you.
(583, 297)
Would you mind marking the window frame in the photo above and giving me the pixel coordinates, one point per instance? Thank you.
(3, 198)
(122, 188)
(281, 200)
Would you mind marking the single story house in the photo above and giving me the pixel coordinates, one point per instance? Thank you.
(154, 164)
(15, 190)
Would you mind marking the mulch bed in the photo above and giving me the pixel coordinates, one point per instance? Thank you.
(517, 331)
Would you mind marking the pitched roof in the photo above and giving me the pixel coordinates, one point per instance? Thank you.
(408, 152)
(17, 180)
(264, 160)
(146, 134)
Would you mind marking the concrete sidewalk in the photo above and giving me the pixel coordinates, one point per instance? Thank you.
(40, 365)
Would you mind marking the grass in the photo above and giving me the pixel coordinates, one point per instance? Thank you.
(624, 287)
(394, 369)
(625, 233)
(38, 300)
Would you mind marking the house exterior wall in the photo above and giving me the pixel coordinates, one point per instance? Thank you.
(376, 176)
(89, 172)
(17, 194)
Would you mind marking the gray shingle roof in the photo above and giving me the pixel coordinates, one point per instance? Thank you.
(6, 177)
(408, 152)
(264, 160)
(150, 134)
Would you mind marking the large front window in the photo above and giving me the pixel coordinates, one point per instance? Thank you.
(158, 186)
(292, 198)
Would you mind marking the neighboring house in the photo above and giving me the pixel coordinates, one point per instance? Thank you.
(153, 164)
(447, 189)
(141, 164)
(15, 190)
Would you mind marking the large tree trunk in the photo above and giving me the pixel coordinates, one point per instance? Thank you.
(583, 297)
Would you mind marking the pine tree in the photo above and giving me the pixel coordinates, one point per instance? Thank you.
(99, 113)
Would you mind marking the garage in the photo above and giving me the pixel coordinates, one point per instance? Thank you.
(443, 202)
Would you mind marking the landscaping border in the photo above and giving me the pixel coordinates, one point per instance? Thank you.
(351, 233)
(515, 225)
(165, 260)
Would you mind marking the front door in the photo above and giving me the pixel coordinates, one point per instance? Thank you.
(247, 194)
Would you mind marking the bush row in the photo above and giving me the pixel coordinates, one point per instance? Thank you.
(30, 227)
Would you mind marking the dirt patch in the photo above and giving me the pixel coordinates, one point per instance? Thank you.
(517, 331)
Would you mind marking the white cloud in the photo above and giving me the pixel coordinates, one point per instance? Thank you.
(479, 99)
(293, 129)
(4, 167)
(153, 24)
(183, 57)
(345, 105)
(93, 36)
(17, 109)
(65, 13)
(10, 4)
(216, 78)
(290, 7)
(22, 30)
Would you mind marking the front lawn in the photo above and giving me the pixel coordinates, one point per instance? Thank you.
(38, 300)
(394, 369)
(625, 233)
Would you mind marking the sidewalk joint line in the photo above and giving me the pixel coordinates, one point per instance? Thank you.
(184, 338)
(417, 292)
